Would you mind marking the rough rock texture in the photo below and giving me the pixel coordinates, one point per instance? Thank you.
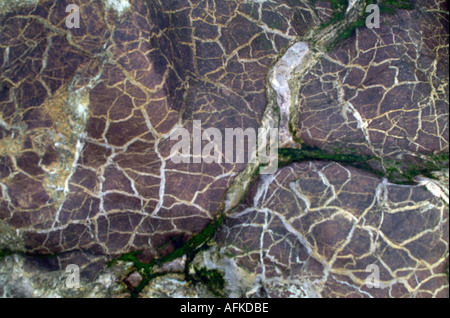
(87, 114)
(174, 286)
(86, 173)
(383, 92)
(26, 277)
(313, 228)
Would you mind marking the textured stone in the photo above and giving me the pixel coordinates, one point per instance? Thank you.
(86, 116)
(383, 91)
(133, 280)
(312, 229)
(90, 112)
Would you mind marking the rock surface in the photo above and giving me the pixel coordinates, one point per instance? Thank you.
(383, 92)
(313, 228)
(88, 116)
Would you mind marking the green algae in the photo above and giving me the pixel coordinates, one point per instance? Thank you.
(339, 14)
(404, 172)
(190, 249)
(389, 6)
(4, 253)
(396, 171)
(308, 153)
(213, 279)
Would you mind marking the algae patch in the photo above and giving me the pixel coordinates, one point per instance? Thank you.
(190, 249)
(399, 171)
(213, 279)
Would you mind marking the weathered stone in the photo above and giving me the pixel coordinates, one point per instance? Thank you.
(93, 109)
(86, 174)
(313, 228)
(381, 92)
(133, 280)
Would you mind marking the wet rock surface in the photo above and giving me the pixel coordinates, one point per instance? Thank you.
(86, 170)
